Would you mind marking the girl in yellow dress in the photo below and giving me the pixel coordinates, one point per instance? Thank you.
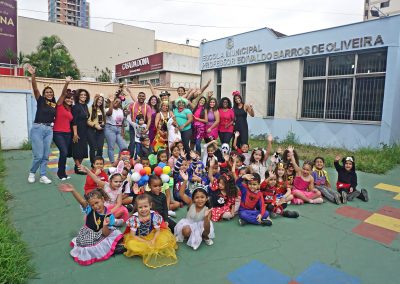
(148, 236)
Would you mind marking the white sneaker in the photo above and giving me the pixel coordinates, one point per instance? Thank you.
(209, 242)
(171, 213)
(31, 178)
(44, 180)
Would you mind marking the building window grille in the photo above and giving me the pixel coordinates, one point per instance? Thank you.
(351, 88)
(219, 83)
(271, 89)
(243, 77)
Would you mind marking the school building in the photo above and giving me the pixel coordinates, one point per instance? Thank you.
(333, 87)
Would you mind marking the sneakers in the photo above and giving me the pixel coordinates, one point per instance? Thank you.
(31, 178)
(266, 222)
(297, 201)
(336, 197)
(318, 200)
(344, 197)
(45, 180)
(290, 214)
(119, 249)
(209, 242)
(364, 195)
(242, 222)
(64, 178)
(171, 213)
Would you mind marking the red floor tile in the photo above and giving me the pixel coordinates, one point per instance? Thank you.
(354, 213)
(390, 211)
(375, 233)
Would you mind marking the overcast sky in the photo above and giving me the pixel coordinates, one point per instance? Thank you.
(207, 19)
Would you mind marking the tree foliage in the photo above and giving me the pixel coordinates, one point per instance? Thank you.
(105, 75)
(53, 60)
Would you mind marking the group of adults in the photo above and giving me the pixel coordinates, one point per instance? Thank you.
(73, 125)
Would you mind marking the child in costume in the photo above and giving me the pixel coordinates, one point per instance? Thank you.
(276, 196)
(98, 170)
(252, 208)
(303, 183)
(97, 239)
(347, 180)
(258, 159)
(224, 197)
(243, 150)
(321, 181)
(113, 189)
(197, 225)
(148, 237)
(161, 139)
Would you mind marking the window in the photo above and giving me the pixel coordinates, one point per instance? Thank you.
(271, 89)
(243, 75)
(219, 82)
(385, 4)
(345, 87)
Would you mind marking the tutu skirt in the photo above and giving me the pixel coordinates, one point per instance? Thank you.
(197, 229)
(90, 246)
(161, 254)
(199, 130)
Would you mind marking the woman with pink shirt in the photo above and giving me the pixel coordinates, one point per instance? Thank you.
(200, 120)
(226, 120)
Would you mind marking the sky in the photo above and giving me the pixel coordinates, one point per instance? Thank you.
(181, 20)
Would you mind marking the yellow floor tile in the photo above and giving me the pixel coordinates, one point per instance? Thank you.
(53, 157)
(52, 166)
(388, 187)
(383, 221)
(397, 197)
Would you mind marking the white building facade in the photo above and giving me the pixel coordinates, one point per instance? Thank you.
(333, 87)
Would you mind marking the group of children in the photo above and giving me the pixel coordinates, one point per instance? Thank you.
(143, 194)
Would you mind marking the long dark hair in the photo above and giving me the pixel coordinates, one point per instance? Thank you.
(235, 105)
(95, 107)
(215, 108)
(201, 190)
(157, 106)
(203, 111)
(230, 187)
(77, 94)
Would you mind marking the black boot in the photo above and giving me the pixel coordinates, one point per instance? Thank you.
(344, 196)
(364, 195)
(290, 214)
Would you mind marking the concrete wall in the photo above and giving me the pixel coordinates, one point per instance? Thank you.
(185, 80)
(288, 86)
(183, 49)
(230, 81)
(181, 63)
(89, 48)
(256, 88)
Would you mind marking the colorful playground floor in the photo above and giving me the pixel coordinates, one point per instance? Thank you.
(353, 243)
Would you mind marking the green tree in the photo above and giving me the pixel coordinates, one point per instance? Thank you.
(105, 75)
(10, 54)
(53, 60)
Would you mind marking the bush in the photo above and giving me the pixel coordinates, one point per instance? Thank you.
(26, 145)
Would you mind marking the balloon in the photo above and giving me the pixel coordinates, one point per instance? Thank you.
(148, 170)
(165, 178)
(141, 182)
(135, 177)
(138, 167)
(142, 172)
(152, 159)
(158, 171)
(145, 179)
(166, 170)
(161, 164)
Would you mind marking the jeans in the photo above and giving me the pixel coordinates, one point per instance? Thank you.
(198, 145)
(138, 147)
(113, 135)
(186, 138)
(63, 141)
(132, 143)
(41, 136)
(96, 143)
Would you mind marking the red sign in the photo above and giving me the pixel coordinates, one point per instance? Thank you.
(11, 71)
(140, 65)
(8, 31)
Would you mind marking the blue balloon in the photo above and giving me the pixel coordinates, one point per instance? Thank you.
(145, 178)
(141, 182)
(161, 164)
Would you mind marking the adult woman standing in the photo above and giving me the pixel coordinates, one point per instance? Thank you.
(184, 118)
(114, 130)
(164, 115)
(226, 120)
(41, 131)
(62, 134)
(200, 118)
(213, 119)
(80, 112)
(241, 110)
(96, 123)
(154, 104)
